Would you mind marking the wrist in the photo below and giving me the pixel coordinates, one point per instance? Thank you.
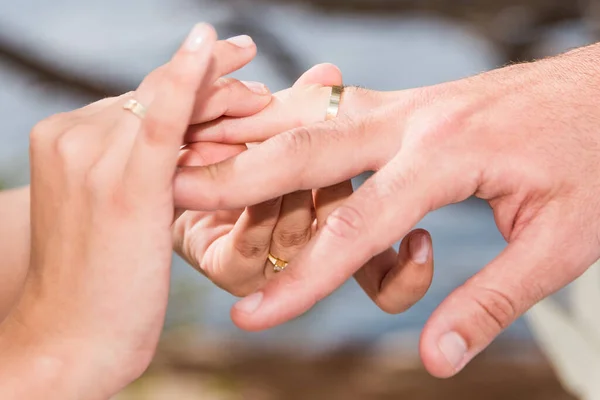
(39, 363)
(29, 370)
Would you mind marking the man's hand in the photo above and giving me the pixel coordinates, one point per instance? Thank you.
(525, 138)
(231, 247)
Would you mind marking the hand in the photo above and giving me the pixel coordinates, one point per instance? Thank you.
(231, 246)
(522, 137)
(208, 240)
(102, 207)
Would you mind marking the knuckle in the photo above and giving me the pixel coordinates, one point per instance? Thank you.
(498, 310)
(177, 80)
(346, 223)
(215, 200)
(252, 248)
(435, 124)
(225, 83)
(272, 203)
(153, 78)
(156, 129)
(44, 131)
(292, 238)
(70, 147)
(40, 131)
(389, 184)
(296, 142)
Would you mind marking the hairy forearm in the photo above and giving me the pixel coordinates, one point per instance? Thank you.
(14, 245)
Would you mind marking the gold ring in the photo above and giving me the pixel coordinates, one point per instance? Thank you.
(136, 108)
(334, 102)
(279, 265)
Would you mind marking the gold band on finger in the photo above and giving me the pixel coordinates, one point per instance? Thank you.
(334, 102)
(279, 265)
(136, 108)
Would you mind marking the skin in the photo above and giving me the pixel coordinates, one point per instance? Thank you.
(87, 294)
(223, 97)
(14, 214)
(523, 137)
(75, 289)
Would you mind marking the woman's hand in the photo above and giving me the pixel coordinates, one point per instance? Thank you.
(523, 138)
(102, 207)
(231, 246)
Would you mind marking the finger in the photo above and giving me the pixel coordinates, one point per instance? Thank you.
(158, 142)
(397, 281)
(383, 210)
(306, 158)
(205, 153)
(304, 104)
(231, 55)
(233, 98)
(294, 227)
(240, 263)
(326, 200)
(529, 269)
(228, 56)
(289, 109)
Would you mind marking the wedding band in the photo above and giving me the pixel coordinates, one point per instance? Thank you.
(279, 265)
(136, 108)
(334, 102)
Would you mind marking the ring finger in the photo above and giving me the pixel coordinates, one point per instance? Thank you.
(292, 231)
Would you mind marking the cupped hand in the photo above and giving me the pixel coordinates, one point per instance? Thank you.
(231, 247)
(523, 138)
(102, 208)
(393, 280)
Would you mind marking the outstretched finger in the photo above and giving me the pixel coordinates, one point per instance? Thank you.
(156, 149)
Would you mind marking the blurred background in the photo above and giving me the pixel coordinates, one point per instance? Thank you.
(59, 55)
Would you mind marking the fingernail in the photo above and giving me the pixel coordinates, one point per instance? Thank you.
(250, 304)
(196, 37)
(242, 41)
(419, 248)
(454, 348)
(256, 87)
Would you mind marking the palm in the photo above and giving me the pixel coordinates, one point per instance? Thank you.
(202, 250)
(227, 246)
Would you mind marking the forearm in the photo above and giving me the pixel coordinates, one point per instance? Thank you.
(14, 245)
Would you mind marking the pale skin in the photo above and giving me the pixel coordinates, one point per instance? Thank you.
(87, 295)
(226, 97)
(74, 289)
(524, 138)
(230, 247)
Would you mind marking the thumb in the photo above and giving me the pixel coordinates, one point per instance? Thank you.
(528, 270)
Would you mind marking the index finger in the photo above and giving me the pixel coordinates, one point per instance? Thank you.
(302, 159)
(380, 213)
(160, 137)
